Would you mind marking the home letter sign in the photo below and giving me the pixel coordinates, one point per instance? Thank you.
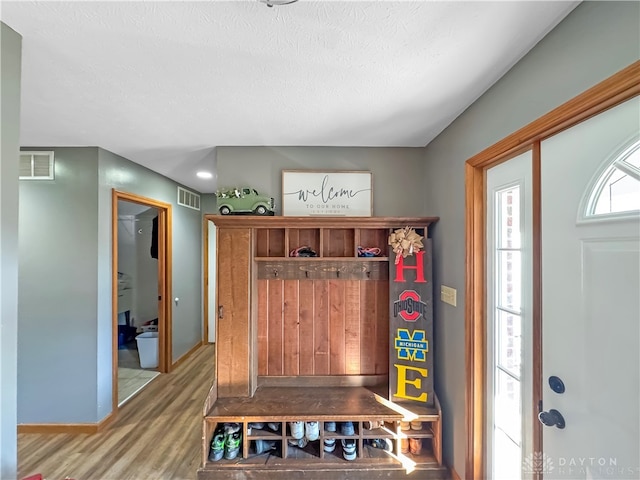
(411, 324)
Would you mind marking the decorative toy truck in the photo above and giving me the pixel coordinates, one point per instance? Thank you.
(244, 200)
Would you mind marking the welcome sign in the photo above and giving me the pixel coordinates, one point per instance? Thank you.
(411, 327)
(326, 193)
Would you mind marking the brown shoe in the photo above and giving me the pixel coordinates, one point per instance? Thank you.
(404, 445)
(416, 425)
(415, 445)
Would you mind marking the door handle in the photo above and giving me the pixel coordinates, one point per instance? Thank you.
(552, 418)
(556, 384)
(220, 312)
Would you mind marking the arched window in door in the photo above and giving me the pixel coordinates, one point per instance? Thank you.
(617, 189)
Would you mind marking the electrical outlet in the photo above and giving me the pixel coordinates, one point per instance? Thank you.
(448, 295)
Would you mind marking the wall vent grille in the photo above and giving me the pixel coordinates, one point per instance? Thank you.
(188, 199)
(36, 166)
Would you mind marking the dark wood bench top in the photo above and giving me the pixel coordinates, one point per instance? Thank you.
(306, 403)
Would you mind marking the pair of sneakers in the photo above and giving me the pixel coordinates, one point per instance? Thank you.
(307, 430)
(349, 448)
(226, 442)
(346, 428)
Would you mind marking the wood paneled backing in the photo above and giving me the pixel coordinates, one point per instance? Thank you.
(323, 327)
(338, 242)
(234, 253)
(270, 242)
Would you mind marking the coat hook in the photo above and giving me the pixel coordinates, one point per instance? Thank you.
(306, 274)
(275, 273)
(338, 274)
(368, 274)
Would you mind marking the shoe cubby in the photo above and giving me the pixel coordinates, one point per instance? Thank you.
(264, 433)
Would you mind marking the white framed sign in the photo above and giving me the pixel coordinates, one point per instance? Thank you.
(326, 193)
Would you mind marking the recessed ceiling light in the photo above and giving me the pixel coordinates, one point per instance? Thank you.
(204, 174)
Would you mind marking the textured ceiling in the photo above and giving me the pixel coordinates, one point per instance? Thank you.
(164, 83)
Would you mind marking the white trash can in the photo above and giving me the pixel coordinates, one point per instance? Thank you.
(148, 349)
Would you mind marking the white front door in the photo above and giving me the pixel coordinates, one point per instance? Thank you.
(591, 298)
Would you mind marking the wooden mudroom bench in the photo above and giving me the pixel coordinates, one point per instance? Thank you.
(307, 339)
(323, 404)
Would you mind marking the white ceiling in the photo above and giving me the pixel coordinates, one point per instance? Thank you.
(164, 83)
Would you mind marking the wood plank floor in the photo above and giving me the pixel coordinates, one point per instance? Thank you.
(156, 435)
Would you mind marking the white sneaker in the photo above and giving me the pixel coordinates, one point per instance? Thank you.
(297, 429)
(349, 448)
(312, 431)
(329, 444)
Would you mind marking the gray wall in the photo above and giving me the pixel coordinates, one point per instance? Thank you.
(595, 41)
(397, 172)
(57, 291)
(10, 57)
(121, 174)
(64, 287)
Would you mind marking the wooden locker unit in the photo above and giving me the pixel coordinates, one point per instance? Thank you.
(307, 339)
(234, 319)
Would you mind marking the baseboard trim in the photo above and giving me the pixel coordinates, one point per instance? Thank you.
(72, 428)
(454, 474)
(184, 357)
(106, 421)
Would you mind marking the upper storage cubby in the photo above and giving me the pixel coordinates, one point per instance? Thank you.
(338, 242)
(270, 242)
(349, 239)
(300, 238)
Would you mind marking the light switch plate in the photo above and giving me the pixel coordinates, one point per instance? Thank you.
(448, 295)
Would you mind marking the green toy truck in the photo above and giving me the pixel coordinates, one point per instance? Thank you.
(244, 201)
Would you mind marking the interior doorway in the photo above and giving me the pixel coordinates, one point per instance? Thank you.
(141, 289)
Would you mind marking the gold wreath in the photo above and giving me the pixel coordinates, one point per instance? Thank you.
(405, 241)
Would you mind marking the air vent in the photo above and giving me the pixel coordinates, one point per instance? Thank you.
(188, 199)
(36, 166)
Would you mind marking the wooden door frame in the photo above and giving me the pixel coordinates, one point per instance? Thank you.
(206, 256)
(616, 89)
(164, 283)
